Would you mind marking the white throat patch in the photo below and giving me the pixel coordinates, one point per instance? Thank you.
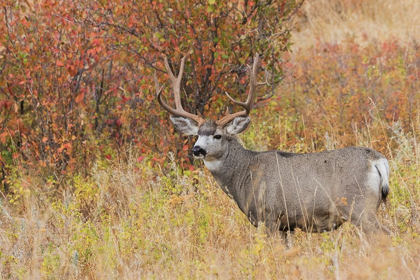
(212, 165)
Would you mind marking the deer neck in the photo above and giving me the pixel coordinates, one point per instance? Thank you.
(231, 171)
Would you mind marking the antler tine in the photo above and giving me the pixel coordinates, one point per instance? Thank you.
(249, 103)
(176, 81)
(176, 87)
(157, 86)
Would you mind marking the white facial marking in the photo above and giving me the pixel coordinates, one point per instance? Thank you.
(204, 141)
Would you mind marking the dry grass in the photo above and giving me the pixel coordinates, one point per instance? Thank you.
(367, 22)
(131, 221)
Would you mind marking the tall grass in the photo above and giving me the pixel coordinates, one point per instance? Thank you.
(373, 21)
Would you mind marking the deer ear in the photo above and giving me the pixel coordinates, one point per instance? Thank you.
(184, 125)
(238, 125)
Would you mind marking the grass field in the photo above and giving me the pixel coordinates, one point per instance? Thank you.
(352, 79)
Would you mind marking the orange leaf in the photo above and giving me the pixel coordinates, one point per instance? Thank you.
(3, 137)
(80, 97)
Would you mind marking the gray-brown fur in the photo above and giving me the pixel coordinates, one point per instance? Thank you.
(317, 191)
(313, 192)
(207, 128)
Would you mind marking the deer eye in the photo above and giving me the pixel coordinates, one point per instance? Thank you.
(218, 136)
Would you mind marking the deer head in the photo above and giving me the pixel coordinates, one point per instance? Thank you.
(213, 136)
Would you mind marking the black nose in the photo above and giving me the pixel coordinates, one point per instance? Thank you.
(197, 151)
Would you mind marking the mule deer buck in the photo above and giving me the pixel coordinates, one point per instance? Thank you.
(315, 192)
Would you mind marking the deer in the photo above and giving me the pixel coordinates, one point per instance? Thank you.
(315, 192)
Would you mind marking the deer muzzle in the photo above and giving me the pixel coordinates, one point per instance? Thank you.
(199, 152)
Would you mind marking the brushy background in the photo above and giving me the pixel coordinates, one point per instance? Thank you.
(140, 212)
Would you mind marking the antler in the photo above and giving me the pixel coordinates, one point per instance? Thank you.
(249, 103)
(176, 87)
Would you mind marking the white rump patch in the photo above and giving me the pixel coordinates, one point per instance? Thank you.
(374, 179)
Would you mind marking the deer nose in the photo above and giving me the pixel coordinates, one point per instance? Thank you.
(197, 151)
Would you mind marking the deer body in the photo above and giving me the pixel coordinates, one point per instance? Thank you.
(315, 192)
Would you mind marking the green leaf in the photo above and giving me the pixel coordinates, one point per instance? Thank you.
(158, 35)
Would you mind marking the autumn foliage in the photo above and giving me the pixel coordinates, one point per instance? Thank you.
(77, 75)
(347, 88)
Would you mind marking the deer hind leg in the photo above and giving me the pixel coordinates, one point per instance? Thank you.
(374, 225)
(369, 223)
(358, 212)
(363, 207)
(375, 191)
